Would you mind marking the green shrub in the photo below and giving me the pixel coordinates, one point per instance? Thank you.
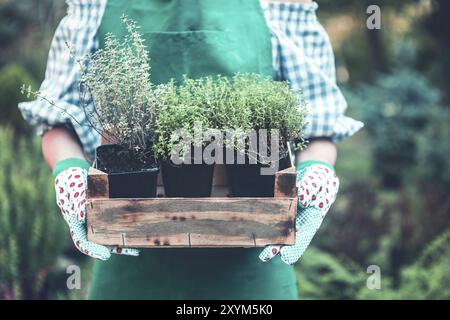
(427, 278)
(395, 110)
(434, 150)
(11, 79)
(32, 233)
(320, 275)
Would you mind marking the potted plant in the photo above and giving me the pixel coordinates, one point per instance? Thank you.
(275, 115)
(117, 81)
(144, 124)
(179, 126)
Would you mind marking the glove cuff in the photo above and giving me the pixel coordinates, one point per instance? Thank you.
(303, 165)
(70, 163)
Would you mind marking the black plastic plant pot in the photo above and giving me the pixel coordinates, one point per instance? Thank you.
(246, 180)
(187, 180)
(131, 182)
(142, 184)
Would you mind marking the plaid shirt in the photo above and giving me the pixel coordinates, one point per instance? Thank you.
(302, 55)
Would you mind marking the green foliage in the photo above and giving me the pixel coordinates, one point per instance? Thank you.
(11, 78)
(429, 278)
(129, 110)
(32, 232)
(236, 105)
(395, 110)
(425, 279)
(434, 150)
(35, 22)
(118, 79)
(270, 104)
(320, 275)
(183, 110)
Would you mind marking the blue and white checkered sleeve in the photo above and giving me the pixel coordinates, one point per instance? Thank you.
(303, 56)
(62, 76)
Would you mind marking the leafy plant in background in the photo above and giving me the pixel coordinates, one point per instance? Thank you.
(32, 235)
(320, 275)
(395, 110)
(425, 279)
(434, 150)
(433, 173)
(35, 22)
(11, 78)
(428, 277)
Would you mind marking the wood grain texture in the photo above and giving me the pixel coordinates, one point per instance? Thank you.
(286, 183)
(189, 222)
(98, 184)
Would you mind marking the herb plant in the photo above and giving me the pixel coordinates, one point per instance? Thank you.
(235, 104)
(116, 79)
(128, 110)
(182, 108)
(268, 104)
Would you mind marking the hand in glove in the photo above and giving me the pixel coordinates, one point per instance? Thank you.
(317, 189)
(70, 186)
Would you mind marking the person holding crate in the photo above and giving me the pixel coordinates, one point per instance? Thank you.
(275, 38)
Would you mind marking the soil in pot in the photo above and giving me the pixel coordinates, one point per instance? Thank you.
(245, 180)
(187, 180)
(129, 177)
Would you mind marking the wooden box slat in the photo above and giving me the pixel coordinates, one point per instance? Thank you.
(98, 184)
(286, 183)
(235, 222)
(218, 221)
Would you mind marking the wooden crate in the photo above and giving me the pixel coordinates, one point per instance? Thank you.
(218, 221)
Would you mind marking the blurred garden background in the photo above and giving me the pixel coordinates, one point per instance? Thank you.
(393, 210)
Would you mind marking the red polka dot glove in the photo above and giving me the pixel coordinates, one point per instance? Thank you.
(70, 186)
(317, 189)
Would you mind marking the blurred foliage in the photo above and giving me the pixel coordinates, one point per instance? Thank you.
(434, 45)
(12, 77)
(26, 29)
(395, 110)
(427, 278)
(32, 233)
(323, 276)
(388, 211)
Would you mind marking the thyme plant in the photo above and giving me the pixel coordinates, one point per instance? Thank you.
(230, 104)
(128, 110)
(263, 103)
(116, 79)
(182, 108)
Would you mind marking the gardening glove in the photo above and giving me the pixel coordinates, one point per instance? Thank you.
(70, 186)
(317, 185)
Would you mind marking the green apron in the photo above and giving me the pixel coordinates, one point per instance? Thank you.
(196, 38)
